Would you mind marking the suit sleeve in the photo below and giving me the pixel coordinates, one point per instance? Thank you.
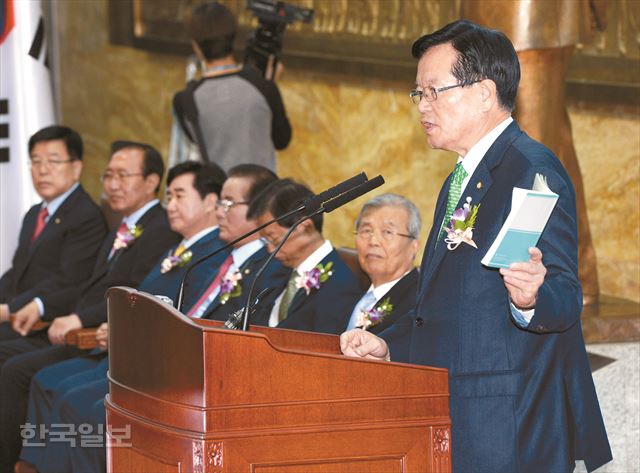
(77, 256)
(559, 302)
(7, 280)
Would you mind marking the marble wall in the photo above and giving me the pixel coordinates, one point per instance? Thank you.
(342, 125)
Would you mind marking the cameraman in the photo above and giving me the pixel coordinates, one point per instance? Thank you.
(233, 113)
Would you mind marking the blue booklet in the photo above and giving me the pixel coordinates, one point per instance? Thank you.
(530, 212)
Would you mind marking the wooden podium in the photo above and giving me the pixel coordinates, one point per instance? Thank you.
(194, 397)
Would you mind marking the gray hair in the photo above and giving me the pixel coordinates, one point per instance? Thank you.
(394, 200)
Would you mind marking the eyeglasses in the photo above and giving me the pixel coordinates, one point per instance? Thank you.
(118, 176)
(226, 205)
(50, 163)
(387, 235)
(431, 93)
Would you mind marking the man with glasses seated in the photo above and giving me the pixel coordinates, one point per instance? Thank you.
(387, 240)
(225, 292)
(321, 289)
(59, 238)
(131, 182)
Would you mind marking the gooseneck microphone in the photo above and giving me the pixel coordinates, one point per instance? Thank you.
(310, 205)
(328, 206)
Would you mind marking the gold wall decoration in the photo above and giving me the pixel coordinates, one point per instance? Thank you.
(374, 37)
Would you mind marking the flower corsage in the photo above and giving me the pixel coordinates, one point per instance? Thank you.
(460, 229)
(375, 315)
(124, 239)
(230, 286)
(171, 262)
(314, 277)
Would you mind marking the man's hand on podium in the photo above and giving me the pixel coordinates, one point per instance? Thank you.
(362, 344)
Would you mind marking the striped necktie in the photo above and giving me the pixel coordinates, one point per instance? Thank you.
(455, 189)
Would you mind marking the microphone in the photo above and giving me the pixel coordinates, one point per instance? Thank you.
(311, 205)
(314, 203)
(352, 194)
(328, 206)
(236, 317)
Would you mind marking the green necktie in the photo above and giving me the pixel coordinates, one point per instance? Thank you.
(455, 189)
(289, 293)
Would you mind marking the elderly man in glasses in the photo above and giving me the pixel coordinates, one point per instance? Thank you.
(387, 240)
(59, 238)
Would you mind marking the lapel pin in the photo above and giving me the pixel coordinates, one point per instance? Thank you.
(247, 271)
(479, 185)
(57, 220)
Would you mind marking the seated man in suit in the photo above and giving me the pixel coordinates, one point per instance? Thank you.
(321, 289)
(59, 238)
(131, 182)
(387, 240)
(193, 189)
(226, 291)
(193, 192)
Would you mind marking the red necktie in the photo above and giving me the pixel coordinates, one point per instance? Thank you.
(40, 222)
(212, 287)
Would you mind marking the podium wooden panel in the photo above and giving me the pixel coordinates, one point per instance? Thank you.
(194, 397)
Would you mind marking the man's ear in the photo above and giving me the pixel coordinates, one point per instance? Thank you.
(151, 182)
(210, 202)
(77, 169)
(488, 94)
(415, 247)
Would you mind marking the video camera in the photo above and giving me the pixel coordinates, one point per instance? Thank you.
(266, 40)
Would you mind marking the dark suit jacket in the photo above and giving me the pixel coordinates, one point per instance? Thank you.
(324, 310)
(128, 267)
(273, 277)
(60, 258)
(402, 296)
(521, 399)
(168, 284)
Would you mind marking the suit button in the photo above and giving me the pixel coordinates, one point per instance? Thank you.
(419, 321)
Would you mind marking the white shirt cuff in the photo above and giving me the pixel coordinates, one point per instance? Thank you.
(40, 305)
(522, 317)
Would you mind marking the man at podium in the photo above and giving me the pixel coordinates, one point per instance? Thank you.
(521, 393)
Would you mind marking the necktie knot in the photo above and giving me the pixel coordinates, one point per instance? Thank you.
(179, 250)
